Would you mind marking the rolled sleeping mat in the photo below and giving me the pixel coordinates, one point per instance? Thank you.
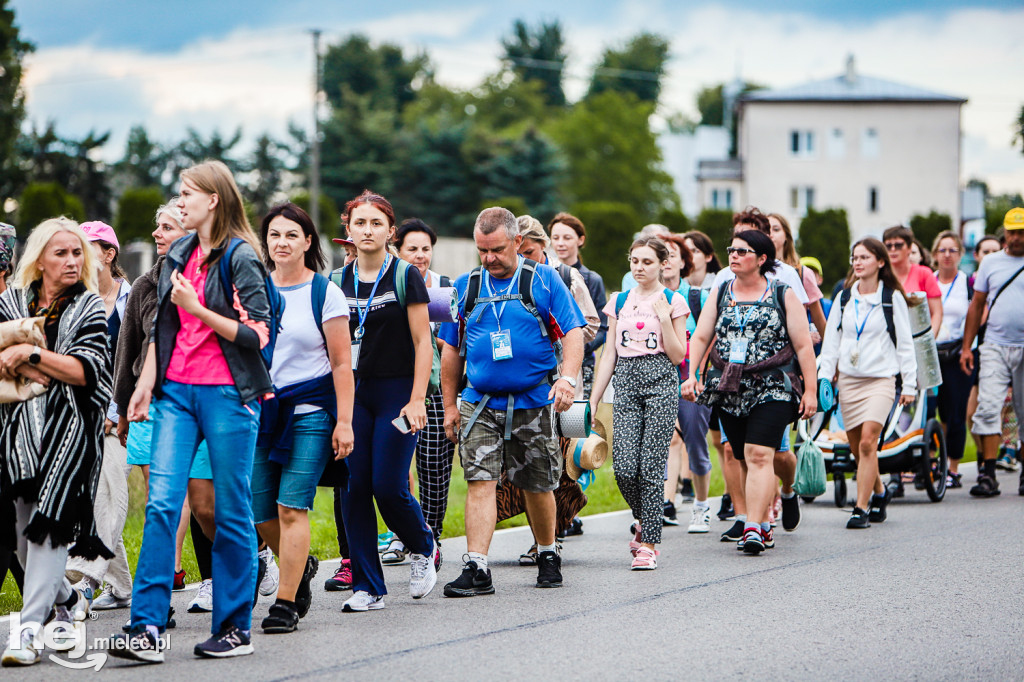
(929, 374)
(574, 422)
(443, 305)
(826, 395)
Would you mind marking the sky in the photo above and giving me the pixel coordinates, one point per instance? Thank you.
(107, 65)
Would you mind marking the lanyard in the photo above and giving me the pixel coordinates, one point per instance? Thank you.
(951, 285)
(856, 315)
(492, 293)
(750, 311)
(364, 312)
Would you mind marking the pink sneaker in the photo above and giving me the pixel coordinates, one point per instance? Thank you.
(645, 559)
(342, 578)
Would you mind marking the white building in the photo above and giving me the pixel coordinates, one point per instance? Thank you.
(881, 150)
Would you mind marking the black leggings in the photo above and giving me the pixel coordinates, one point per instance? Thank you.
(203, 548)
(954, 393)
(765, 425)
(339, 522)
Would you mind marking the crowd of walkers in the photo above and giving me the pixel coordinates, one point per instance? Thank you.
(239, 379)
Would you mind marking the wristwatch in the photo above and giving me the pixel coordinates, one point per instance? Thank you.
(571, 381)
(36, 356)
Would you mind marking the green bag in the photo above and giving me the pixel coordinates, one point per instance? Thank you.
(810, 471)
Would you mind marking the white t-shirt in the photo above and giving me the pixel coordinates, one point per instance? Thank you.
(300, 353)
(954, 308)
(786, 274)
(1005, 323)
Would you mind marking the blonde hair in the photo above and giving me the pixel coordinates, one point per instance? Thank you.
(171, 209)
(531, 228)
(788, 255)
(28, 268)
(229, 218)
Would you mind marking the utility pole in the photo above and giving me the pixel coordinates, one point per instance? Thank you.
(314, 166)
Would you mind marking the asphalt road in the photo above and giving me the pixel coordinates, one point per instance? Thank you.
(936, 592)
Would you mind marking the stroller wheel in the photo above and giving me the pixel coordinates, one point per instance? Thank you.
(839, 479)
(934, 461)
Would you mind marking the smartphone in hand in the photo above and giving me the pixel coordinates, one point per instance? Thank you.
(402, 424)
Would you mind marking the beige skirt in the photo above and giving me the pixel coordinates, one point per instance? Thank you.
(865, 399)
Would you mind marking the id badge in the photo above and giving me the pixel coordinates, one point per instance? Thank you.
(501, 345)
(355, 354)
(738, 351)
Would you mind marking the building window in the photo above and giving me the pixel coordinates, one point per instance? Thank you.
(872, 199)
(801, 199)
(721, 199)
(836, 144)
(801, 143)
(869, 144)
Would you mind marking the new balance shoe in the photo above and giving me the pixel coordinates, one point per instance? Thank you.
(668, 514)
(473, 582)
(726, 511)
(753, 541)
(229, 642)
(342, 578)
(987, 486)
(203, 601)
(303, 593)
(272, 577)
(422, 574)
(790, 513)
(734, 534)
(21, 653)
(139, 645)
(858, 519)
(700, 520)
(877, 513)
(549, 569)
(108, 600)
(363, 601)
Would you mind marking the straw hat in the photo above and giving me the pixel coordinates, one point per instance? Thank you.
(591, 452)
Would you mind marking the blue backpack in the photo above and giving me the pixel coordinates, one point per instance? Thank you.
(274, 297)
(620, 300)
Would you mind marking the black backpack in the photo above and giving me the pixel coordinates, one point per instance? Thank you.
(890, 326)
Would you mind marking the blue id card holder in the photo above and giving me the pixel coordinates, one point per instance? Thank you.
(501, 345)
(738, 351)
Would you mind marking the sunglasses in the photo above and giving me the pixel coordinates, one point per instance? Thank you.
(895, 246)
(739, 250)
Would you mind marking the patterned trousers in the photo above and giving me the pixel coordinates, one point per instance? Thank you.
(434, 453)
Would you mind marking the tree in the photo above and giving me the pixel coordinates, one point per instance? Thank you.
(529, 168)
(12, 100)
(996, 208)
(717, 225)
(1018, 130)
(136, 211)
(610, 229)
(46, 157)
(927, 227)
(265, 167)
(195, 149)
(711, 105)
(538, 54)
(826, 236)
(43, 200)
(637, 67)
(330, 217)
(612, 154)
(381, 74)
(144, 160)
(674, 220)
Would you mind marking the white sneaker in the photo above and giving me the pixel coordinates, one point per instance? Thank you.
(273, 575)
(64, 639)
(364, 601)
(108, 600)
(422, 574)
(203, 603)
(700, 520)
(25, 653)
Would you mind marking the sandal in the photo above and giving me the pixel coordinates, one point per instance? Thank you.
(395, 553)
(953, 480)
(529, 558)
(645, 559)
(634, 544)
(282, 619)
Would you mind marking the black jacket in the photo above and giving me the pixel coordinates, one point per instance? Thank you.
(252, 379)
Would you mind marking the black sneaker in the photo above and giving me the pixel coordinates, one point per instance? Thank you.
(227, 643)
(726, 512)
(668, 514)
(686, 490)
(549, 570)
(575, 527)
(987, 487)
(859, 519)
(281, 619)
(895, 486)
(1020, 490)
(734, 534)
(473, 582)
(171, 623)
(877, 513)
(790, 513)
(138, 645)
(303, 594)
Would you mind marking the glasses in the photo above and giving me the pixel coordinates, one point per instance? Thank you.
(739, 250)
(895, 246)
(948, 252)
(860, 259)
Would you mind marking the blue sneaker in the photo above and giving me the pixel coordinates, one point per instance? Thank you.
(227, 643)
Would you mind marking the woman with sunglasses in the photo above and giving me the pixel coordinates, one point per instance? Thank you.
(913, 277)
(761, 350)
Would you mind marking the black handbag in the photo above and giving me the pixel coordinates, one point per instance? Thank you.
(949, 351)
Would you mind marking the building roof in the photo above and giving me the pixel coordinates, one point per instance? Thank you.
(850, 87)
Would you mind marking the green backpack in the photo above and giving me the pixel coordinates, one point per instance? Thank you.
(401, 273)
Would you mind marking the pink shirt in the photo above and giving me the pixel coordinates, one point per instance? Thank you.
(197, 357)
(637, 328)
(810, 281)
(921, 278)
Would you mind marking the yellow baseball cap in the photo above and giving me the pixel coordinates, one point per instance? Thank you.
(813, 263)
(1014, 219)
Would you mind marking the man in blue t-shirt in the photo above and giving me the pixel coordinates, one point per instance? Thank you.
(513, 375)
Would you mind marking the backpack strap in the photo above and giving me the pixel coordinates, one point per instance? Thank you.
(565, 272)
(620, 301)
(317, 297)
(445, 281)
(225, 269)
(472, 293)
(779, 297)
(693, 301)
(401, 279)
(844, 298)
(890, 325)
(526, 295)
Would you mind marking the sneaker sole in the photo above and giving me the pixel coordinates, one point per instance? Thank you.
(243, 650)
(118, 605)
(550, 584)
(994, 493)
(475, 592)
(372, 607)
(12, 662)
(139, 656)
(331, 586)
(753, 548)
(198, 609)
(665, 521)
(699, 529)
(643, 568)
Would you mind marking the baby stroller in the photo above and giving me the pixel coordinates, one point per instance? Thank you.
(909, 442)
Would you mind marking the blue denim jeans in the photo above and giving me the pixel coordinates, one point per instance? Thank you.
(187, 415)
(294, 484)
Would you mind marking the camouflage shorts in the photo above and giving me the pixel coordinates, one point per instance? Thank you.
(532, 458)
